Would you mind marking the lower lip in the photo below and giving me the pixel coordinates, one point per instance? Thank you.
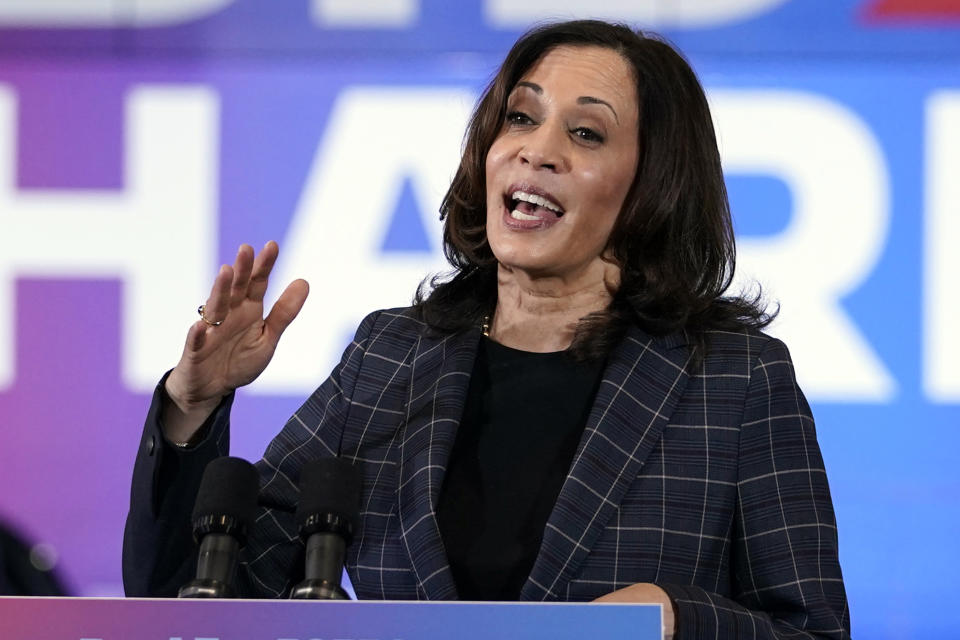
(528, 225)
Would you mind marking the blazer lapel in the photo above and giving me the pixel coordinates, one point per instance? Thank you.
(643, 380)
(439, 379)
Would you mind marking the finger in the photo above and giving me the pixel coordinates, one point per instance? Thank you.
(262, 266)
(286, 308)
(242, 268)
(218, 304)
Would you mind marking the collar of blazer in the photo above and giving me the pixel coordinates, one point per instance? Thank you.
(641, 384)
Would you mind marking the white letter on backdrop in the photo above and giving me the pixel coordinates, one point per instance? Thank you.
(167, 208)
(105, 13)
(941, 265)
(510, 14)
(369, 14)
(835, 170)
(375, 139)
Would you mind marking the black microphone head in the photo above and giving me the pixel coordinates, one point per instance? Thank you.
(329, 497)
(227, 498)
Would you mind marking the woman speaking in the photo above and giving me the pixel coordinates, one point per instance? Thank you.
(577, 412)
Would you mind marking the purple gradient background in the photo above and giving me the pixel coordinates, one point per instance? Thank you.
(62, 474)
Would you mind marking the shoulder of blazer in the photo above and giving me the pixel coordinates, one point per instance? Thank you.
(737, 349)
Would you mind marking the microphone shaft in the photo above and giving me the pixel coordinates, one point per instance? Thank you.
(324, 557)
(219, 553)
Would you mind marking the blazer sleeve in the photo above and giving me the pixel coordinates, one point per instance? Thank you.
(785, 567)
(159, 554)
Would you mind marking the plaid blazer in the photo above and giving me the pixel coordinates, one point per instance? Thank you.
(708, 483)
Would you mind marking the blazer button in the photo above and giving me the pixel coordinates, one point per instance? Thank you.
(151, 445)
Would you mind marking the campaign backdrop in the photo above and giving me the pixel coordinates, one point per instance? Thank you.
(142, 141)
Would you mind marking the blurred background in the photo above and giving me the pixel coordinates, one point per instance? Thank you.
(141, 141)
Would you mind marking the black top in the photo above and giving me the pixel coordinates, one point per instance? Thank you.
(522, 421)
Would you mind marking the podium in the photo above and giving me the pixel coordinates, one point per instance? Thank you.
(34, 618)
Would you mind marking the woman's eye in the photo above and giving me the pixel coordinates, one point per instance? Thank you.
(587, 135)
(518, 117)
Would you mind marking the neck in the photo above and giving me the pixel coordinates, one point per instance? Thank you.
(540, 314)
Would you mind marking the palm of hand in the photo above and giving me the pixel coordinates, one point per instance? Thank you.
(218, 359)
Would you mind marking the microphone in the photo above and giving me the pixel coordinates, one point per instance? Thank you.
(222, 515)
(327, 516)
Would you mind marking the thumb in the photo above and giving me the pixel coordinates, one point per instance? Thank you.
(286, 308)
(196, 336)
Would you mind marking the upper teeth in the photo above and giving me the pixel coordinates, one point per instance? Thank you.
(537, 200)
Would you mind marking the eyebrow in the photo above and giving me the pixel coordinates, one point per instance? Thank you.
(581, 100)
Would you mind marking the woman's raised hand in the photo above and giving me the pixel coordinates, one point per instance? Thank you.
(233, 342)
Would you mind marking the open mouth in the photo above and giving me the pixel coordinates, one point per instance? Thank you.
(527, 206)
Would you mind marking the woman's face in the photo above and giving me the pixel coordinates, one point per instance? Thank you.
(560, 168)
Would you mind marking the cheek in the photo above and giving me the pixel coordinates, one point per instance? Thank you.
(491, 166)
(606, 191)
(495, 157)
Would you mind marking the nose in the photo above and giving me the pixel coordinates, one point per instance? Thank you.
(543, 149)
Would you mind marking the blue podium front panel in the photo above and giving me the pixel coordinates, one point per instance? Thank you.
(143, 619)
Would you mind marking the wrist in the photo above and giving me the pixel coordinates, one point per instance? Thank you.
(181, 420)
(185, 404)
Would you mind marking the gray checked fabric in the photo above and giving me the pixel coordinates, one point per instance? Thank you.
(708, 483)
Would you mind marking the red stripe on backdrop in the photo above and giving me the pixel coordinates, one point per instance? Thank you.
(911, 10)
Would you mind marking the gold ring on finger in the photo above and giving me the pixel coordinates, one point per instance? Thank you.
(203, 317)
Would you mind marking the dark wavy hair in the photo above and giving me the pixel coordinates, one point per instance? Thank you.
(673, 239)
